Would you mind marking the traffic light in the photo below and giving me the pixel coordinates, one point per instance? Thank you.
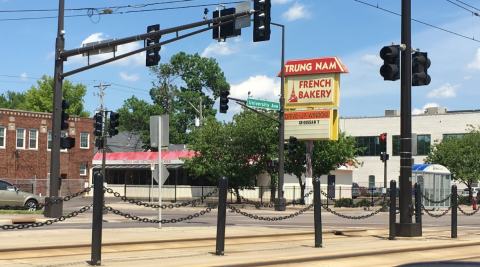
(420, 64)
(292, 145)
(261, 20)
(270, 163)
(97, 125)
(383, 142)
(228, 30)
(390, 70)
(65, 115)
(113, 123)
(224, 99)
(152, 55)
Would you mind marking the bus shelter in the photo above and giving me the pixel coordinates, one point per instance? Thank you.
(435, 183)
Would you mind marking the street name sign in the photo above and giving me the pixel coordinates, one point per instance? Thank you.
(312, 124)
(257, 103)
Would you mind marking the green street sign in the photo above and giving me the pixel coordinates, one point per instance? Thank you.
(257, 103)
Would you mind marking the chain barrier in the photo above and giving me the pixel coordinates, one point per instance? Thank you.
(47, 222)
(470, 204)
(46, 204)
(435, 201)
(258, 204)
(163, 221)
(466, 213)
(171, 206)
(325, 195)
(437, 216)
(261, 218)
(354, 217)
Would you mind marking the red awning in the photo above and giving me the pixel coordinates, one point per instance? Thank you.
(170, 155)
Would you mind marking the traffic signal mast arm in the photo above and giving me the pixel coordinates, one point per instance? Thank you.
(229, 18)
(66, 74)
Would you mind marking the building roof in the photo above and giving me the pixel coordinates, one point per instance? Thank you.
(124, 142)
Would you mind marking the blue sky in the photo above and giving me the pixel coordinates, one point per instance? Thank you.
(349, 29)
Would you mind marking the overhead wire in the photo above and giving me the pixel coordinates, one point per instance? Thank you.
(421, 22)
(473, 13)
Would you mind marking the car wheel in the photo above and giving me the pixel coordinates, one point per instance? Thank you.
(31, 204)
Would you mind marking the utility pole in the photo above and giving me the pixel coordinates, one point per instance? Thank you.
(56, 210)
(406, 227)
(199, 110)
(101, 94)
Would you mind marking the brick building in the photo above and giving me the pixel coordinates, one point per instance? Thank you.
(25, 143)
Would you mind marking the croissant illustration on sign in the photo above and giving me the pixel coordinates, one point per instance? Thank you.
(293, 98)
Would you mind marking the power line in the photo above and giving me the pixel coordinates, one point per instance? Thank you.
(117, 13)
(473, 13)
(424, 23)
(468, 5)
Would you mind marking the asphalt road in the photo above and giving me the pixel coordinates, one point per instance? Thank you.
(305, 220)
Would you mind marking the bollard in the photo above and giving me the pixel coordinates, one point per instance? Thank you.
(222, 214)
(393, 208)
(97, 219)
(317, 209)
(454, 211)
(418, 206)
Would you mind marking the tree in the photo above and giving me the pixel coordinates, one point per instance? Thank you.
(460, 156)
(236, 149)
(12, 100)
(327, 156)
(40, 98)
(135, 117)
(186, 78)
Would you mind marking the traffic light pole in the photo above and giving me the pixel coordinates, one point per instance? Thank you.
(56, 210)
(406, 227)
(281, 130)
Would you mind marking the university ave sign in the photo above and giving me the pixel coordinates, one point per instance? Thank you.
(312, 83)
(257, 103)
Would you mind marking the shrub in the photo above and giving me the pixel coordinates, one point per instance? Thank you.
(376, 194)
(344, 202)
(462, 200)
(363, 203)
(368, 194)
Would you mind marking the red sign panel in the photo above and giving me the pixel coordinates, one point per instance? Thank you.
(314, 66)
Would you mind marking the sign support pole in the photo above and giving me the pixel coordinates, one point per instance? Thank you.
(159, 173)
(309, 169)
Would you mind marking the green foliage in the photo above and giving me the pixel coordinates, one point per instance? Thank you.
(344, 202)
(198, 76)
(12, 100)
(460, 156)
(364, 203)
(368, 194)
(376, 194)
(135, 117)
(462, 200)
(40, 98)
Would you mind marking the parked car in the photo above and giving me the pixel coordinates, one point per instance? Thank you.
(12, 196)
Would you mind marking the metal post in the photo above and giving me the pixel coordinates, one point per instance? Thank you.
(97, 219)
(385, 178)
(406, 227)
(202, 194)
(308, 167)
(222, 216)
(261, 195)
(454, 211)
(56, 210)
(281, 129)
(393, 208)
(104, 154)
(418, 206)
(317, 209)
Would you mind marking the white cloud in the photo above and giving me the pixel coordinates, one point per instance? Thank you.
(445, 91)
(135, 60)
(281, 1)
(417, 111)
(50, 55)
(297, 11)
(260, 87)
(467, 77)
(23, 76)
(372, 59)
(475, 64)
(220, 49)
(131, 78)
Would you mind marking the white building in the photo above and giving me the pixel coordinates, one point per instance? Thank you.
(433, 126)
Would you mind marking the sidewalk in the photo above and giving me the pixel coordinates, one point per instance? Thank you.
(195, 246)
